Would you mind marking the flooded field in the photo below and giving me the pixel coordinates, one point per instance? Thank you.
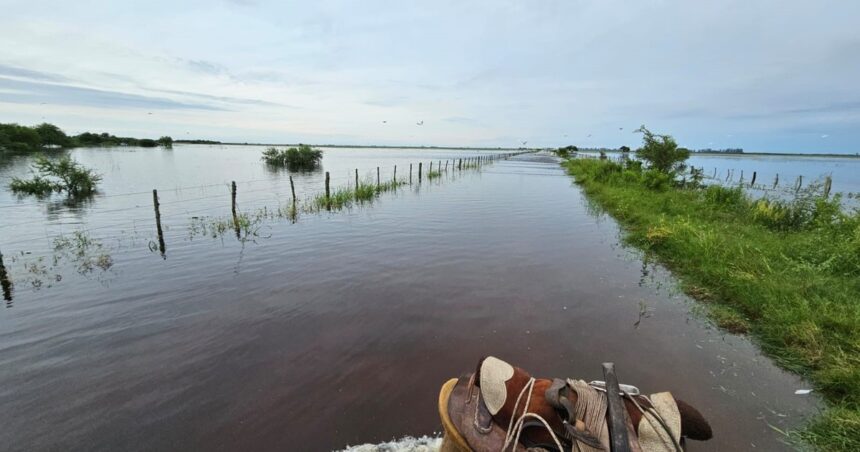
(339, 328)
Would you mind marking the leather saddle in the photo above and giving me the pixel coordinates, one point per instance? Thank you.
(502, 407)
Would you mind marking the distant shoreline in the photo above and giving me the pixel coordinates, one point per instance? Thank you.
(358, 146)
(470, 148)
(750, 154)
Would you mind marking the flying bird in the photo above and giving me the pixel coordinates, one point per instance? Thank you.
(621, 128)
(385, 122)
(420, 123)
(524, 143)
(149, 112)
(589, 135)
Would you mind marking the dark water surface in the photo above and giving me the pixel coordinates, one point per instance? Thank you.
(340, 329)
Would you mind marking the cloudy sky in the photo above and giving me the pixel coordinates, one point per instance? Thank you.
(763, 75)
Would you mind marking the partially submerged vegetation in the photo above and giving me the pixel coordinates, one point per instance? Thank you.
(298, 158)
(58, 175)
(18, 139)
(786, 271)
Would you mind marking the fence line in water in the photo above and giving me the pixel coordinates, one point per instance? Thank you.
(794, 188)
(332, 199)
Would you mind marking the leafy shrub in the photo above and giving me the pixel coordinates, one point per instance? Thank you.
(62, 175)
(657, 180)
(302, 158)
(566, 151)
(661, 151)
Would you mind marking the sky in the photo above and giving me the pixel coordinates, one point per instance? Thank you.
(761, 75)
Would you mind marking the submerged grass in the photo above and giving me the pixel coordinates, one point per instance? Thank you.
(433, 175)
(786, 271)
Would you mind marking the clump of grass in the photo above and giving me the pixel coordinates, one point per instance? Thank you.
(61, 175)
(245, 225)
(433, 175)
(301, 158)
(786, 270)
(340, 198)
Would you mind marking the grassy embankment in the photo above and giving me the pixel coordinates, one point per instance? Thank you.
(787, 272)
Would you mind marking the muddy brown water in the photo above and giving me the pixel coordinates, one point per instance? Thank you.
(341, 328)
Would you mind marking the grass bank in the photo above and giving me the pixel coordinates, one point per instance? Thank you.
(785, 271)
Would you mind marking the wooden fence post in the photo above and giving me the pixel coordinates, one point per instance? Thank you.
(158, 229)
(5, 283)
(776, 181)
(293, 189)
(752, 182)
(410, 174)
(377, 177)
(327, 192)
(828, 182)
(356, 180)
(799, 183)
(394, 178)
(233, 208)
(419, 171)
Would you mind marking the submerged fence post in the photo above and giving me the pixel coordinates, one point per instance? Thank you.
(394, 178)
(377, 177)
(419, 171)
(410, 174)
(5, 283)
(327, 192)
(446, 166)
(775, 181)
(356, 180)
(752, 182)
(233, 208)
(799, 183)
(828, 182)
(460, 165)
(293, 189)
(158, 229)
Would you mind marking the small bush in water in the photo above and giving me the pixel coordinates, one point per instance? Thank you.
(301, 158)
(63, 175)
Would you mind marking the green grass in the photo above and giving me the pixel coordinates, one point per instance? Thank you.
(433, 175)
(785, 271)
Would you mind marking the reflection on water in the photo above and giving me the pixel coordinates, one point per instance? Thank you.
(339, 329)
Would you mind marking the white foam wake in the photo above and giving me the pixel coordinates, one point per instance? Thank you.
(406, 444)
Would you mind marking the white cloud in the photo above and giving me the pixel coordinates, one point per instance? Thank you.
(759, 74)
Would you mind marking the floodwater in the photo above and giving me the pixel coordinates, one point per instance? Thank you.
(339, 328)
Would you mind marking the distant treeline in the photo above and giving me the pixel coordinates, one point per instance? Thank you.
(721, 151)
(198, 142)
(18, 139)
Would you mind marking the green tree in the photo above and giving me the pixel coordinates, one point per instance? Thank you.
(165, 141)
(19, 139)
(661, 151)
(51, 135)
